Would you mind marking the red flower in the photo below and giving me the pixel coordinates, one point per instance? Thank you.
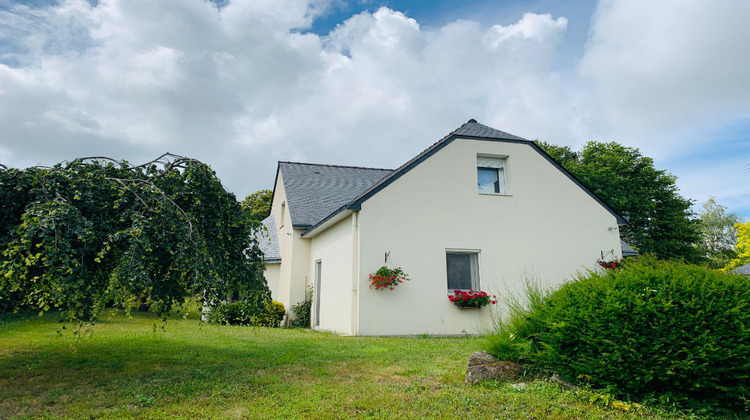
(471, 298)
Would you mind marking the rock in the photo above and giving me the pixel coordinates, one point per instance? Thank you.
(483, 366)
(499, 371)
(565, 384)
(481, 358)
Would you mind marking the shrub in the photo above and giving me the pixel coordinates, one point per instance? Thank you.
(661, 331)
(513, 336)
(273, 315)
(302, 312)
(242, 313)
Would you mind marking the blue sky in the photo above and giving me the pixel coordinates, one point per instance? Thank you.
(373, 83)
(437, 13)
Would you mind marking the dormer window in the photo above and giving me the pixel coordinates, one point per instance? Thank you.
(491, 175)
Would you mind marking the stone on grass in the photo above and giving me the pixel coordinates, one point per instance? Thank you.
(481, 358)
(483, 366)
(565, 384)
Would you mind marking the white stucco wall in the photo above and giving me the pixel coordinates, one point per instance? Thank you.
(545, 224)
(299, 276)
(333, 248)
(295, 252)
(272, 279)
(284, 229)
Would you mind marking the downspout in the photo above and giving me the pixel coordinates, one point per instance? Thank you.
(355, 272)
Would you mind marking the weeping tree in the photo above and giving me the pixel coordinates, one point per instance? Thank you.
(95, 231)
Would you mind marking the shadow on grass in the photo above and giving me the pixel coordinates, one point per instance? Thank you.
(122, 359)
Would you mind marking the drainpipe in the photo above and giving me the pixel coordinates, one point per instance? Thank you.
(355, 272)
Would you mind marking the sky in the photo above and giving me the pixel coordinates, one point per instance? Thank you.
(242, 84)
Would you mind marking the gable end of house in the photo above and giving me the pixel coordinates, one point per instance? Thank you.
(470, 130)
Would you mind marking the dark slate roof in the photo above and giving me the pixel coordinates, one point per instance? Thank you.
(473, 130)
(744, 270)
(315, 191)
(268, 242)
(627, 250)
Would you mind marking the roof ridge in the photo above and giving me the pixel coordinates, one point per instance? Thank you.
(336, 166)
(415, 158)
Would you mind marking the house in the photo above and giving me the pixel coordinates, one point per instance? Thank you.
(627, 250)
(480, 209)
(743, 270)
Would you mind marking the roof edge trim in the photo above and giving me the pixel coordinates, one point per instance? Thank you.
(331, 219)
(620, 219)
(356, 204)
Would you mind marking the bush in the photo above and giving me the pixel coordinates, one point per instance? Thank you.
(302, 312)
(242, 313)
(273, 315)
(654, 331)
(514, 336)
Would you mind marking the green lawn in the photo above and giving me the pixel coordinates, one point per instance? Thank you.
(126, 369)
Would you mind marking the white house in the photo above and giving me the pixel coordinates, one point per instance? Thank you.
(478, 209)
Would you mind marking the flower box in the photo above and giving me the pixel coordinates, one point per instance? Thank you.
(471, 299)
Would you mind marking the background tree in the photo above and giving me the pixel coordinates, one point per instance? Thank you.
(718, 234)
(96, 231)
(660, 220)
(257, 205)
(742, 249)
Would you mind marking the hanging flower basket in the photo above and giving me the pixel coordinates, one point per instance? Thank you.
(610, 265)
(387, 278)
(471, 299)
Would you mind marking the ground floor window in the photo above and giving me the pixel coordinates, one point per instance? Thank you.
(463, 270)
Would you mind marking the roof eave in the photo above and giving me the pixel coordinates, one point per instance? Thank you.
(275, 181)
(356, 204)
(621, 221)
(335, 217)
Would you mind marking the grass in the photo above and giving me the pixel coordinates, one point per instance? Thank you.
(127, 368)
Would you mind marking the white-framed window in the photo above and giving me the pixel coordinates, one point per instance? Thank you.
(491, 174)
(463, 269)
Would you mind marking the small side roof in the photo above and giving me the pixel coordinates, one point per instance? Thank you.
(268, 242)
(471, 130)
(315, 191)
(627, 250)
(744, 270)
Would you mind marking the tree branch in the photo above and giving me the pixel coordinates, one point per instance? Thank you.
(166, 197)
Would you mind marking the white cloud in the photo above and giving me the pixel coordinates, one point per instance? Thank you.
(667, 77)
(244, 85)
(531, 26)
(669, 64)
(235, 85)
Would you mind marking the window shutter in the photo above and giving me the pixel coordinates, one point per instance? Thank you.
(488, 162)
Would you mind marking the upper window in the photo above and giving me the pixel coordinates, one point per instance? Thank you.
(463, 270)
(491, 175)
